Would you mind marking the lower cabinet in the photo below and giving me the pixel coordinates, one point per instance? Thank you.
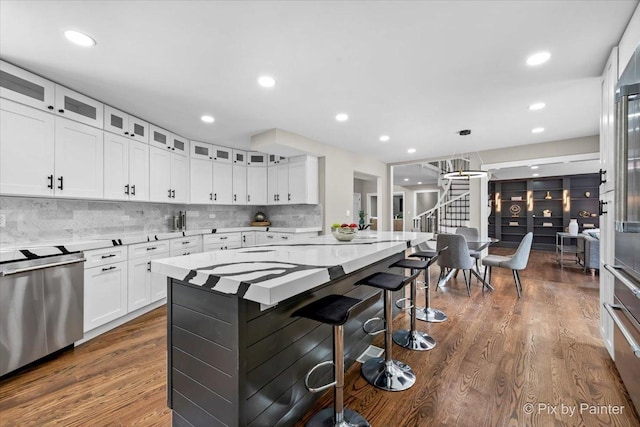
(146, 287)
(217, 242)
(248, 238)
(105, 294)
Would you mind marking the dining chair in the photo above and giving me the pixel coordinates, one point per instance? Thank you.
(471, 234)
(516, 262)
(456, 257)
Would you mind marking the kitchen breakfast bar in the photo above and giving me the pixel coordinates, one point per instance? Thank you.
(236, 357)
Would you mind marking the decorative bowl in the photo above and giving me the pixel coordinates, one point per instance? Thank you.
(344, 234)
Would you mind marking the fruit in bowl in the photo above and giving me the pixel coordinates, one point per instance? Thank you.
(344, 232)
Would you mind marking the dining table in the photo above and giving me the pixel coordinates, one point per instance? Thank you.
(474, 246)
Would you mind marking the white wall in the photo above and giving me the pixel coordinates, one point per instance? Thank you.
(337, 167)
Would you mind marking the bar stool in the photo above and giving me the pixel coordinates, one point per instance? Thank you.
(386, 373)
(412, 338)
(427, 313)
(334, 310)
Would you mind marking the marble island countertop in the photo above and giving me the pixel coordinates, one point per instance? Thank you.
(16, 252)
(268, 274)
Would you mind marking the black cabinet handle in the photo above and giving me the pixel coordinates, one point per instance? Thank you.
(278, 198)
(126, 189)
(50, 178)
(173, 193)
(234, 197)
(149, 266)
(50, 107)
(113, 267)
(274, 198)
(127, 133)
(601, 205)
(269, 236)
(108, 256)
(186, 242)
(289, 197)
(133, 190)
(61, 111)
(603, 175)
(244, 239)
(152, 248)
(215, 196)
(169, 193)
(61, 186)
(248, 197)
(173, 148)
(224, 237)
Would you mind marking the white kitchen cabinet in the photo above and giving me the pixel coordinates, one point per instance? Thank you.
(278, 184)
(78, 160)
(109, 255)
(219, 242)
(185, 246)
(222, 183)
(78, 107)
(26, 88)
(607, 122)
(201, 173)
(256, 159)
(27, 144)
(274, 159)
(257, 186)
(124, 124)
(303, 180)
(607, 251)
(248, 238)
(168, 176)
(222, 154)
(46, 155)
(105, 294)
(144, 286)
(266, 237)
(179, 145)
(160, 138)
(239, 185)
(239, 157)
(126, 168)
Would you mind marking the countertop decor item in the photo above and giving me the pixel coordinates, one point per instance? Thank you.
(260, 220)
(344, 232)
(515, 210)
(548, 196)
(573, 227)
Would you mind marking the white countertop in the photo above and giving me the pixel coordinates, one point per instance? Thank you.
(268, 274)
(24, 251)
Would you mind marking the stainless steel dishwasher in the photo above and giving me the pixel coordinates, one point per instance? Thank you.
(41, 308)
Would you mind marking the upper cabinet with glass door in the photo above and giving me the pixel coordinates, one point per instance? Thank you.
(29, 89)
(239, 157)
(121, 123)
(179, 145)
(275, 159)
(25, 87)
(222, 154)
(256, 159)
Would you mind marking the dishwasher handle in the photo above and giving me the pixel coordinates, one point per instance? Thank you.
(40, 267)
(613, 269)
(623, 329)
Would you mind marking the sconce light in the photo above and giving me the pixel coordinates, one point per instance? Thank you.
(566, 200)
(498, 204)
(530, 200)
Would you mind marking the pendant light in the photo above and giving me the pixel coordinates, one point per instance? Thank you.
(462, 173)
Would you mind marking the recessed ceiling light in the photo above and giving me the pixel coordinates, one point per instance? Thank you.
(537, 106)
(406, 179)
(79, 38)
(536, 174)
(384, 138)
(537, 130)
(535, 167)
(419, 182)
(342, 117)
(266, 81)
(538, 58)
(411, 150)
(207, 119)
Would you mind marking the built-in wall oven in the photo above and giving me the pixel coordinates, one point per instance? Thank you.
(625, 311)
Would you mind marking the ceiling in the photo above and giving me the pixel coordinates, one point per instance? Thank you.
(416, 71)
(548, 169)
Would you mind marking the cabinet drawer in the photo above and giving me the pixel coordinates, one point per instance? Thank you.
(192, 244)
(226, 238)
(98, 257)
(141, 250)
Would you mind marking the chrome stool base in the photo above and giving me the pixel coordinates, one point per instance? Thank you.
(413, 340)
(389, 375)
(326, 418)
(431, 315)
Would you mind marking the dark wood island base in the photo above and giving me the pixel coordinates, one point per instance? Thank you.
(231, 364)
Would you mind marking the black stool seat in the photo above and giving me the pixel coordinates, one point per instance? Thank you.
(386, 281)
(332, 309)
(423, 254)
(414, 264)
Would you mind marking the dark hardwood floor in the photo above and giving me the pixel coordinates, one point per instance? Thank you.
(495, 356)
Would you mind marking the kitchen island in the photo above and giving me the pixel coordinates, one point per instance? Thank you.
(236, 357)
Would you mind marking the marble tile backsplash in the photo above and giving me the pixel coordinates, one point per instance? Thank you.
(33, 220)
